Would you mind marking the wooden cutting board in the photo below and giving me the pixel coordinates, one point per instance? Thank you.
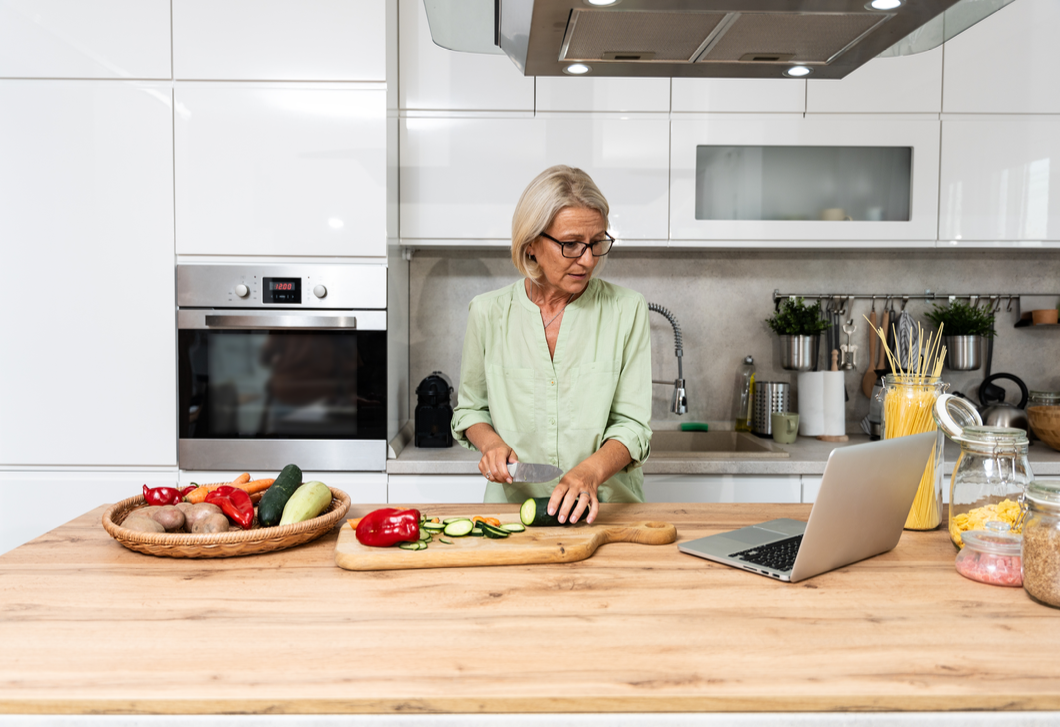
(534, 545)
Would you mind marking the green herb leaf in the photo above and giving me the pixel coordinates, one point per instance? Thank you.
(795, 318)
(962, 319)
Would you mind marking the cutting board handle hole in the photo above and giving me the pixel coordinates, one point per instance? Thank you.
(656, 525)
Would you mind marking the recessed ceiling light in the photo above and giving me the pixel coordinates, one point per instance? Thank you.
(601, 3)
(577, 69)
(884, 4)
(798, 71)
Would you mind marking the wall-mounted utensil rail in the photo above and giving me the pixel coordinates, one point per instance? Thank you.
(839, 300)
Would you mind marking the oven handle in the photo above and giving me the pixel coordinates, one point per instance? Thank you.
(300, 321)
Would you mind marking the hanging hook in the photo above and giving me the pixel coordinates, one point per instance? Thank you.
(973, 301)
(905, 299)
(873, 304)
(997, 303)
(1008, 308)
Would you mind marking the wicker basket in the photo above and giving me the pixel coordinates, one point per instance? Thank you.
(1045, 421)
(222, 545)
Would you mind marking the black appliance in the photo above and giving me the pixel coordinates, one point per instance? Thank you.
(434, 413)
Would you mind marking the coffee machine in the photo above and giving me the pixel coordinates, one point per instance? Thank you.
(434, 413)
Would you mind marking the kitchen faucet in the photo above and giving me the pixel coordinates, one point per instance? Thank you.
(679, 404)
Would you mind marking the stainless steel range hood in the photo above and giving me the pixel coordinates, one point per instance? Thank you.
(698, 38)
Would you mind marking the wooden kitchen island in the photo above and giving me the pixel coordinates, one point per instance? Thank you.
(88, 627)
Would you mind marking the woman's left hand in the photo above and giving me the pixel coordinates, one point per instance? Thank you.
(575, 495)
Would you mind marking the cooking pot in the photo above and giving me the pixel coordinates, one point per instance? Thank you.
(995, 411)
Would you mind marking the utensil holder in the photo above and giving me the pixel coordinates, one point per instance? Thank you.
(770, 397)
(963, 353)
(799, 353)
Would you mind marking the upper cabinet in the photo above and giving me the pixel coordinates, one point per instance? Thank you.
(756, 95)
(1007, 63)
(84, 39)
(280, 40)
(779, 179)
(898, 85)
(461, 177)
(1000, 180)
(603, 94)
(280, 169)
(433, 78)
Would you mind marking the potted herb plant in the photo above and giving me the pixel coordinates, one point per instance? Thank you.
(963, 327)
(799, 327)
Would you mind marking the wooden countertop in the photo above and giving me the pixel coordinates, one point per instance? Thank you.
(87, 626)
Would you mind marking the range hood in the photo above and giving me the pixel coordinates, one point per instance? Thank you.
(699, 38)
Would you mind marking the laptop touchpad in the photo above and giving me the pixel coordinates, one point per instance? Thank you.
(751, 536)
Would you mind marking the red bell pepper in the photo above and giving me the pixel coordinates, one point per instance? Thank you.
(235, 504)
(389, 526)
(162, 495)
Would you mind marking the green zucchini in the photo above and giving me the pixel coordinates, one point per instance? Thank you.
(270, 509)
(477, 532)
(443, 540)
(492, 531)
(513, 527)
(459, 528)
(433, 527)
(534, 512)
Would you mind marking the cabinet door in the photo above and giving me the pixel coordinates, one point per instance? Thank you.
(280, 40)
(84, 39)
(722, 488)
(435, 78)
(32, 503)
(728, 95)
(811, 485)
(280, 170)
(603, 94)
(1005, 64)
(903, 84)
(461, 177)
(412, 489)
(820, 224)
(1000, 180)
(86, 224)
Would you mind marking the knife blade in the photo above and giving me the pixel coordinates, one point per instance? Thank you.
(531, 472)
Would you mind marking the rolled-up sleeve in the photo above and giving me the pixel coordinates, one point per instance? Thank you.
(472, 405)
(628, 420)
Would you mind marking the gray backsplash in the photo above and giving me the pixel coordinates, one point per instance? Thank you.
(721, 299)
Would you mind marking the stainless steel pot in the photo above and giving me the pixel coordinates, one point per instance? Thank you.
(963, 353)
(799, 353)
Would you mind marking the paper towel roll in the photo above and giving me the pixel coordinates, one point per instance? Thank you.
(811, 402)
(835, 406)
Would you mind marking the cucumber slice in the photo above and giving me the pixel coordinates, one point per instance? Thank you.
(448, 520)
(434, 527)
(425, 534)
(459, 528)
(491, 531)
(443, 540)
(513, 527)
(409, 546)
(477, 532)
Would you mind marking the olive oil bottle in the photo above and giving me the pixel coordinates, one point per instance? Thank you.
(743, 396)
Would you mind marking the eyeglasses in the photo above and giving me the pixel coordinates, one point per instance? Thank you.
(598, 248)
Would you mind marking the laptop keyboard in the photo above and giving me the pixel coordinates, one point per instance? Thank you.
(779, 555)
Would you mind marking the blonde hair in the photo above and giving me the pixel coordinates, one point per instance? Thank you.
(552, 190)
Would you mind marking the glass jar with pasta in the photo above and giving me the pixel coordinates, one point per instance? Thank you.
(908, 400)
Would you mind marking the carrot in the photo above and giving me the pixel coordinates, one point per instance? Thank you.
(256, 485)
(354, 522)
(199, 494)
(488, 520)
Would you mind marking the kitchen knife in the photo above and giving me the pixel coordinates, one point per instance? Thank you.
(530, 472)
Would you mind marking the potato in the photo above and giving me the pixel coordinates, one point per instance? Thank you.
(194, 513)
(143, 524)
(169, 516)
(147, 511)
(213, 523)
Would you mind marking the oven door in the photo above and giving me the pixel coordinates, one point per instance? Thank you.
(260, 389)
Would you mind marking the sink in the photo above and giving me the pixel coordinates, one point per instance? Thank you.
(715, 445)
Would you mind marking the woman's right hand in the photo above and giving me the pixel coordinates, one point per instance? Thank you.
(496, 454)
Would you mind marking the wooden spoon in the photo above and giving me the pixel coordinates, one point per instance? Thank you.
(869, 379)
(882, 361)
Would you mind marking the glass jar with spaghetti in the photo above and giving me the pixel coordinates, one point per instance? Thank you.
(908, 400)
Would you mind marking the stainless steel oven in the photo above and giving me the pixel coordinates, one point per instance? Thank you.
(280, 364)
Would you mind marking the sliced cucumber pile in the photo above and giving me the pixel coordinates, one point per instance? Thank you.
(458, 527)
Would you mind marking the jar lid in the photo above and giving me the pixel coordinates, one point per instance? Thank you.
(953, 414)
(978, 434)
(1044, 492)
(1045, 397)
(996, 539)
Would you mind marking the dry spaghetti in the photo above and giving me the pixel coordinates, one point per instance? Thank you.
(910, 396)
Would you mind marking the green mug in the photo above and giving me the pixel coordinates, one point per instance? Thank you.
(785, 426)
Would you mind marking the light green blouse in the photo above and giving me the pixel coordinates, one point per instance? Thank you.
(559, 410)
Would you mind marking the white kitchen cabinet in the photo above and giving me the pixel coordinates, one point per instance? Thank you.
(811, 485)
(412, 489)
(813, 227)
(461, 177)
(739, 95)
(362, 487)
(1005, 64)
(722, 488)
(32, 503)
(435, 78)
(1000, 180)
(569, 93)
(86, 224)
(280, 40)
(898, 85)
(84, 39)
(280, 169)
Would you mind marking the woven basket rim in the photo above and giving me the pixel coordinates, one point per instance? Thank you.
(116, 514)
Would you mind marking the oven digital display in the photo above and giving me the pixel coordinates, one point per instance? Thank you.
(283, 290)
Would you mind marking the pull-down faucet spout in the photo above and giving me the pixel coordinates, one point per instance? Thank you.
(678, 404)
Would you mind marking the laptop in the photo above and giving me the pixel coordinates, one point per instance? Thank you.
(865, 497)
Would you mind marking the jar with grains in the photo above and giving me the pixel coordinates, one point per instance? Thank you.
(1041, 542)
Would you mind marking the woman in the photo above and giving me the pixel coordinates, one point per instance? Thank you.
(556, 368)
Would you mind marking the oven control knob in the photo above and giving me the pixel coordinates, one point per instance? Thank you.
(242, 291)
(320, 291)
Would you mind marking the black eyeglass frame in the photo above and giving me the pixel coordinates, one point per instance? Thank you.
(563, 246)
